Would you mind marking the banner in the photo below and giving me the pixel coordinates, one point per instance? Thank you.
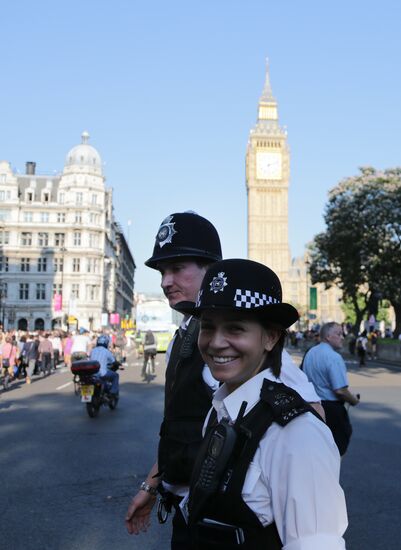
(114, 318)
(58, 302)
(312, 298)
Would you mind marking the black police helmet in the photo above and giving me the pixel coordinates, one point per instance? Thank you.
(185, 234)
(242, 285)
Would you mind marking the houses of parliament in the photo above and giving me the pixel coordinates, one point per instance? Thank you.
(267, 182)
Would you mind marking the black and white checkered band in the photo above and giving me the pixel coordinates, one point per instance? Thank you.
(248, 299)
(199, 298)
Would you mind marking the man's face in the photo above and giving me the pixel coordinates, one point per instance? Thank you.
(335, 337)
(181, 280)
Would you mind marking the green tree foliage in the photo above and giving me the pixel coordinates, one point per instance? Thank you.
(360, 251)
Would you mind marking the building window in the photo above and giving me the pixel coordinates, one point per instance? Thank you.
(60, 217)
(4, 237)
(75, 290)
(43, 239)
(42, 264)
(77, 238)
(3, 290)
(40, 291)
(25, 264)
(46, 196)
(5, 195)
(93, 240)
(44, 217)
(78, 217)
(57, 289)
(61, 198)
(24, 291)
(26, 239)
(59, 239)
(92, 292)
(78, 198)
(94, 199)
(3, 263)
(76, 264)
(58, 264)
(29, 196)
(28, 216)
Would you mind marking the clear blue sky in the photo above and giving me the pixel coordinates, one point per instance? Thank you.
(168, 91)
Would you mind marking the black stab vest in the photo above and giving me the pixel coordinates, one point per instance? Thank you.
(187, 402)
(224, 503)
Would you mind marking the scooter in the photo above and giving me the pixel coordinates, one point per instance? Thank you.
(94, 392)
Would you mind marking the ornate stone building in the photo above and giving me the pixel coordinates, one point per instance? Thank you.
(63, 258)
(267, 182)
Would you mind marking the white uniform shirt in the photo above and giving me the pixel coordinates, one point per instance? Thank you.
(293, 478)
(291, 376)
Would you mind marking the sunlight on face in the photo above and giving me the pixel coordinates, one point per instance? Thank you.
(234, 345)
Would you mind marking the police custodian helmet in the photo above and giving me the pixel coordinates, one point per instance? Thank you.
(185, 234)
(242, 285)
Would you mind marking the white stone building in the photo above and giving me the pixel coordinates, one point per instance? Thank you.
(64, 260)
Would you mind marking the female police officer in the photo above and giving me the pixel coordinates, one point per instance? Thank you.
(267, 474)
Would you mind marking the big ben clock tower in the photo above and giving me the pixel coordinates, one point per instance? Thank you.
(267, 177)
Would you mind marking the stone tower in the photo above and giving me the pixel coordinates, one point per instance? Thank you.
(267, 179)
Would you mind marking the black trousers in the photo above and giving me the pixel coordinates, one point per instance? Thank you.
(338, 421)
(180, 539)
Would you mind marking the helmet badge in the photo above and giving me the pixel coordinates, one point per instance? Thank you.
(218, 283)
(166, 232)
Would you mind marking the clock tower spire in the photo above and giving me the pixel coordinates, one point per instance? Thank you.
(267, 179)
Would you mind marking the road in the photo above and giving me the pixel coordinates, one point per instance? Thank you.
(67, 478)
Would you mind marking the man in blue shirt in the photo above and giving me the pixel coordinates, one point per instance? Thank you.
(326, 369)
(103, 355)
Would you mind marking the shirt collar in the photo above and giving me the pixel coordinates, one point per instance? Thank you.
(228, 404)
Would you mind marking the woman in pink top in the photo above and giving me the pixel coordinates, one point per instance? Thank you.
(9, 357)
(67, 345)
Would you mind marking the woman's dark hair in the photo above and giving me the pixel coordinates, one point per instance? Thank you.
(273, 358)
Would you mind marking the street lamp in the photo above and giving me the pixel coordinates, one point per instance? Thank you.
(307, 265)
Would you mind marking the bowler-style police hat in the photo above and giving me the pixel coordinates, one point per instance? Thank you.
(185, 234)
(242, 285)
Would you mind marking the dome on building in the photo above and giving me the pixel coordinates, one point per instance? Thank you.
(83, 158)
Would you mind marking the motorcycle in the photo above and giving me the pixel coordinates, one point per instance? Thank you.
(94, 392)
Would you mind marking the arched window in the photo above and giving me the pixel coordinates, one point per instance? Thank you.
(22, 324)
(39, 324)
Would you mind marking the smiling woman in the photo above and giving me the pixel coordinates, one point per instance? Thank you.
(247, 490)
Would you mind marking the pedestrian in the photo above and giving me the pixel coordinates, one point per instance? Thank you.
(45, 350)
(149, 352)
(361, 348)
(267, 475)
(9, 356)
(31, 353)
(186, 244)
(326, 369)
(67, 345)
(81, 345)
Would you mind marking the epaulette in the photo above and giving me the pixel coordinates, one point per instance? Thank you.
(284, 402)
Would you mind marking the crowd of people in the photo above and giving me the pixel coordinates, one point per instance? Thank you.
(25, 354)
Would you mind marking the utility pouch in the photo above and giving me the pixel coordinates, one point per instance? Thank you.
(209, 533)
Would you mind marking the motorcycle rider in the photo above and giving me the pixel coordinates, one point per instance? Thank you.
(103, 355)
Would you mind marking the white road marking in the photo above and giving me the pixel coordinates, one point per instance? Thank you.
(64, 386)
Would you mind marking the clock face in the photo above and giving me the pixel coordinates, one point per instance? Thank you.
(268, 166)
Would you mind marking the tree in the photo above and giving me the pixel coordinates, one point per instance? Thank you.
(360, 251)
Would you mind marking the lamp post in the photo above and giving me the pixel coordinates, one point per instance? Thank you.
(307, 265)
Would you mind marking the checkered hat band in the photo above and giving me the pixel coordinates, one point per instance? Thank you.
(248, 299)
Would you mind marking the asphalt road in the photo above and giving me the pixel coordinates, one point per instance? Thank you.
(67, 479)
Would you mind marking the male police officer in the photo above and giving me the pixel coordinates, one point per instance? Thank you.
(186, 244)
